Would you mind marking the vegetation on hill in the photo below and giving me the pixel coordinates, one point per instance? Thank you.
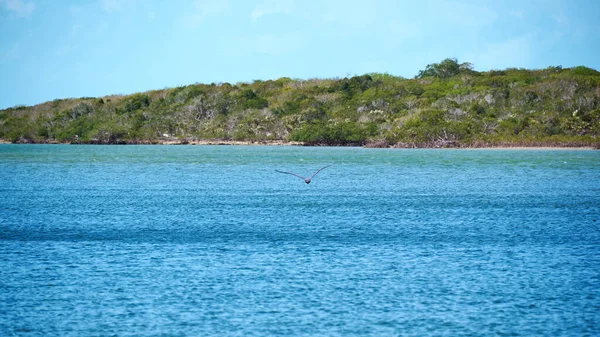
(447, 104)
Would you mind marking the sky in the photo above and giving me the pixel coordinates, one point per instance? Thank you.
(51, 49)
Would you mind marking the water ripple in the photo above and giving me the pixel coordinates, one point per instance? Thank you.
(196, 240)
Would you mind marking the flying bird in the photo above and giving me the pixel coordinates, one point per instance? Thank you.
(306, 180)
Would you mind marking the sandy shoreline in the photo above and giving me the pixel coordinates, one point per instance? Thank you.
(291, 143)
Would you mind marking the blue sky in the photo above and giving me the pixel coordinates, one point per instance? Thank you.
(61, 49)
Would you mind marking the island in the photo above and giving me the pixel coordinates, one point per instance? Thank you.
(448, 104)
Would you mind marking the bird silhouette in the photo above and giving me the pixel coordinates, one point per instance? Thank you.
(306, 180)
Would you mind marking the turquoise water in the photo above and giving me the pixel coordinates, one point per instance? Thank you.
(211, 241)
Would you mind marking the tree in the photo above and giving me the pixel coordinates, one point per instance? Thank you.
(136, 102)
(250, 100)
(445, 69)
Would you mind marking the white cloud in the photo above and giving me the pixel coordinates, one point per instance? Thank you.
(270, 7)
(21, 8)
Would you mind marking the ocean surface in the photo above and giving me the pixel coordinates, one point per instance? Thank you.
(211, 241)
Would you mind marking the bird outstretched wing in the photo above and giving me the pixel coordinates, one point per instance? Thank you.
(301, 177)
(292, 173)
(319, 170)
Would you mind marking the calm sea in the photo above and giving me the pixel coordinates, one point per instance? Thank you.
(211, 241)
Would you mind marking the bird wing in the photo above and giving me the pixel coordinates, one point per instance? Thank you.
(292, 173)
(319, 170)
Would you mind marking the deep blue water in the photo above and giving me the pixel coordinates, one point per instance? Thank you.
(211, 241)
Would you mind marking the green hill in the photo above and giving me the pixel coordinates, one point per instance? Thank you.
(447, 105)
